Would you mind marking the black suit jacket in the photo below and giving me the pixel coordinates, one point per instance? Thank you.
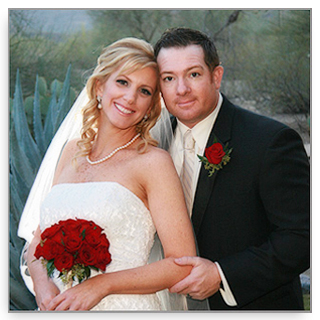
(253, 216)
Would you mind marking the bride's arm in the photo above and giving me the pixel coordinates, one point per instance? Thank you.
(44, 288)
(166, 203)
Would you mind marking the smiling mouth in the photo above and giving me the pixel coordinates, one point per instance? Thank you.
(123, 109)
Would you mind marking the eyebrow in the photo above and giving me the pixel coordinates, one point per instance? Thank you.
(186, 70)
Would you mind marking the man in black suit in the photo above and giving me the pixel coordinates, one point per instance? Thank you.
(251, 217)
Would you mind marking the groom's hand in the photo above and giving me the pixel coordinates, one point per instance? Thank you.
(202, 282)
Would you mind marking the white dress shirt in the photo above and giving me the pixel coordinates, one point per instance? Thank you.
(200, 133)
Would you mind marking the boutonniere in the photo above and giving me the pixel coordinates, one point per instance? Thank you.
(216, 156)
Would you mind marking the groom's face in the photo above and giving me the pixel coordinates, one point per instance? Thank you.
(190, 90)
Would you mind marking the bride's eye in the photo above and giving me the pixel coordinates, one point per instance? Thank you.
(146, 92)
(122, 82)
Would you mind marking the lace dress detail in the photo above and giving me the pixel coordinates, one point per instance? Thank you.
(126, 222)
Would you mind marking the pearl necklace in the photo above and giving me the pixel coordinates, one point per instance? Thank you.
(114, 151)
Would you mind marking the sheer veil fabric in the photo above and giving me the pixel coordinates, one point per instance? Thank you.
(70, 129)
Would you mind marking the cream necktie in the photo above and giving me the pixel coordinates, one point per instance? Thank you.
(187, 168)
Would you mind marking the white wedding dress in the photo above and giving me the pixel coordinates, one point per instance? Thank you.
(126, 222)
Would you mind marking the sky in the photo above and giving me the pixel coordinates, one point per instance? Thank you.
(61, 20)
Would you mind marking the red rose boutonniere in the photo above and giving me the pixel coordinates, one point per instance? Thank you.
(216, 156)
(73, 247)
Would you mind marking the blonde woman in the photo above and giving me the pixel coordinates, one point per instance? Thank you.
(115, 176)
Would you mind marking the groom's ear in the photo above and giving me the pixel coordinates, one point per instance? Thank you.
(217, 75)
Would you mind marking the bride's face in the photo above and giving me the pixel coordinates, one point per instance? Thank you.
(127, 98)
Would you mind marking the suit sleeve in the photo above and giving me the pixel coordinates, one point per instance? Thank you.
(284, 189)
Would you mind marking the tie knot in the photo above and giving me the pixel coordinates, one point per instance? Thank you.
(188, 141)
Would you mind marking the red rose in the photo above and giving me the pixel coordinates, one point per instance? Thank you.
(215, 153)
(70, 226)
(64, 261)
(89, 225)
(84, 224)
(87, 255)
(93, 236)
(38, 252)
(103, 257)
(53, 233)
(49, 249)
(72, 241)
(104, 240)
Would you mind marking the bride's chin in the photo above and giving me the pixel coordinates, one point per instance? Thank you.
(124, 125)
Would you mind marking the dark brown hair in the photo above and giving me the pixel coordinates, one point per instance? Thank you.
(183, 37)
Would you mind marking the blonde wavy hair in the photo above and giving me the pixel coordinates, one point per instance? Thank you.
(126, 56)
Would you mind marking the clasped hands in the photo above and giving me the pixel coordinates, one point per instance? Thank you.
(202, 282)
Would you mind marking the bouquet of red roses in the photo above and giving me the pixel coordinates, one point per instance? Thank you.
(74, 247)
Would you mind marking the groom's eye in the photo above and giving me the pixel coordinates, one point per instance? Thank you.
(195, 74)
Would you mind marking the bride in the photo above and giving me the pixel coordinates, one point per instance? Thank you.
(115, 176)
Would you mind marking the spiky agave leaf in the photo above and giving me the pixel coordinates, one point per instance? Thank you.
(20, 297)
(21, 177)
(19, 161)
(25, 158)
(37, 121)
(64, 100)
(24, 138)
(51, 117)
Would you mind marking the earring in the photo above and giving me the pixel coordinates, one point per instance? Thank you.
(99, 102)
(146, 117)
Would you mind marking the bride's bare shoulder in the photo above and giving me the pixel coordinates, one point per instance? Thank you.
(157, 158)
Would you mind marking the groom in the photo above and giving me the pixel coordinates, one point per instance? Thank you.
(251, 217)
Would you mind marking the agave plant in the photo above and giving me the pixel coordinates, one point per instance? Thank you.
(27, 148)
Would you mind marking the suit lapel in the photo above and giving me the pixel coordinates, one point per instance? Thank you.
(222, 130)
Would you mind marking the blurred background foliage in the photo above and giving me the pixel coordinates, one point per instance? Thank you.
(265, 54)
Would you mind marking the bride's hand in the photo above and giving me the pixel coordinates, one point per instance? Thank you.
(83, 296)
(45, 294)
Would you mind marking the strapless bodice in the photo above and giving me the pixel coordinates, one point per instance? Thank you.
(125, 220)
